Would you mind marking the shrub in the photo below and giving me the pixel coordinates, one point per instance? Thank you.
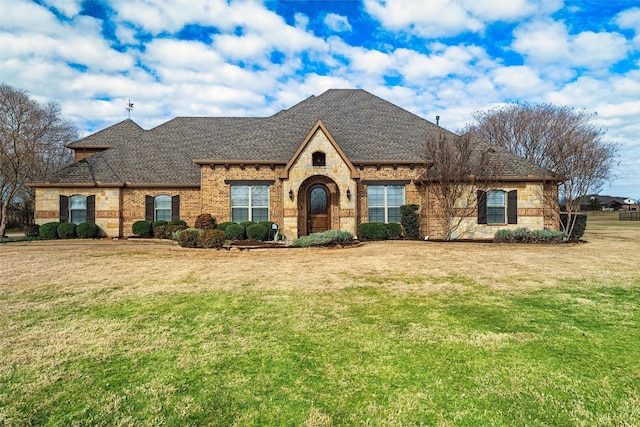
(178, 222)
(235, 232)
(394, 230)
(270, 231)
(188, 238)
(172, 230)
(205, 221)
(410, 220)
(210, 238)
(579, 228)
(66, 230)
(49, 230)
(257, 232)
(373, 231)
(326, 238)
(223, 225)
(245, 224)
(142, 228)
(31, 230)
(87, 230)
(156, 230)
(523, 235)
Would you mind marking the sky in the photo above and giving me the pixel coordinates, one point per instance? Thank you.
(448, 58)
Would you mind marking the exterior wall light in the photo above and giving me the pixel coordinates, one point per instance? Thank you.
(348, 194)
(291, 194)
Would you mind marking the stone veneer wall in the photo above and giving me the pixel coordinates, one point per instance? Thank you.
(47, 207)
(133, 205)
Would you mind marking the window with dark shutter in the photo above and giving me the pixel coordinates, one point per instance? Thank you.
(512, 207)
(148, 207)
(482, 207)
(91, 209)
(175, 207)
(64, 209)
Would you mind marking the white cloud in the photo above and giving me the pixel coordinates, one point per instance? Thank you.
(542, 41)
(630, 19)
(68, 8)
(519, 82)
(337, 23)
(510, 10)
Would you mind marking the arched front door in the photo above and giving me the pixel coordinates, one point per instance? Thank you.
(318, 218)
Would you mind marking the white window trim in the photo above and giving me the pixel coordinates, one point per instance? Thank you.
(250, 201)
(156, 209)
(503, 206)
(386, 200)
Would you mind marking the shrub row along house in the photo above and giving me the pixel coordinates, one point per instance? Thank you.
(331, 162)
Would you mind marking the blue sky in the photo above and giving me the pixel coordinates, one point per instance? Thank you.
(253, 58)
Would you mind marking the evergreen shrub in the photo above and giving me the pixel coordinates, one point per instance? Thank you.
(66, 230)
(326, 238)
(49, 230)
(235, 232)
(579, 228)
(171, 230)
(394, 230)
(31, 230)
(373, 231)
(178, 222)
(523, 235)
(257, 232)
(223, 225)
(142, 228)
(87, 230)
(410, 220)
(211, 238)
(189, 238)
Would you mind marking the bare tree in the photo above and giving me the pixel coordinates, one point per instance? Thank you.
(32, 137)
(559, 138)
(457, 167)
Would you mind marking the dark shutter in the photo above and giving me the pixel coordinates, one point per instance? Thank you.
(482, 207)
(148, 207)
(512, 207)
(91, 208)
(175, 207)
(64, 209)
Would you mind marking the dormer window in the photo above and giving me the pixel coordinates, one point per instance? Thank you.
(319, 159)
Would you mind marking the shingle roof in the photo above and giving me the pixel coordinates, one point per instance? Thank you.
(366, 127)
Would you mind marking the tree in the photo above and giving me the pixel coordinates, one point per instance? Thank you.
(559, 138)
(457, 167)
(594, 204)
(32, 144)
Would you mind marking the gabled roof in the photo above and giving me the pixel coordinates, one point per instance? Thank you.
(365, 127)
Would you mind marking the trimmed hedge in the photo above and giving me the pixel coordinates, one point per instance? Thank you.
(257, 232)
(326, 238)
(410, 220)
(142, 228)
(66, 230)
(87, 230)
(373, 231)
(211, 238)
(49, 230)
(189, 238)
(524, 235)
(205, 221)
(580, 225)
(394, 230)
(223, 225)
(235, 232)
(270, 231)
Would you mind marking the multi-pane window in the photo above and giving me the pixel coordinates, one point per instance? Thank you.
(78, 209)
(249, 203)
(496, 206)
(162, 208)
(384, 201)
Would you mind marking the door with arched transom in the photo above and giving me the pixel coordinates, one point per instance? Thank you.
(318, 215)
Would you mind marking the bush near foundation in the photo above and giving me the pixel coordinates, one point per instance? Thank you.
(394, 230)
(235, 232)
(142, 228)
(49, 230)
(211, 238)
(66, 230)
(410, 220)
(257, 232)
(524, 235)
(373, 231)
(87, 230)
(223, 225)
(189, 238)
(326, 238)
(579, 228)
(205, 221)
(32, 230)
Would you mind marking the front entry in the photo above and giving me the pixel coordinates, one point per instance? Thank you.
(318, 216)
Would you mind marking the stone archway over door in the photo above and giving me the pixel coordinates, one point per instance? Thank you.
(319, 212)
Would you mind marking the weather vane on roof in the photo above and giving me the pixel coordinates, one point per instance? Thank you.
(129, 108)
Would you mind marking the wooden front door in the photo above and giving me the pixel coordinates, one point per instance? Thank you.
(318, 215)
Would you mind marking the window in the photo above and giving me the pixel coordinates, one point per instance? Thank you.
(497, 207)
(384, 201)
(319, 159)
(249, 203)
(78, 209)
(162, 208)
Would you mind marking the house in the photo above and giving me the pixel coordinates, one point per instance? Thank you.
(332, 161)
(609, 203)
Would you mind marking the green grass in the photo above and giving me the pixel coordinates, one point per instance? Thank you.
(568, 355)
